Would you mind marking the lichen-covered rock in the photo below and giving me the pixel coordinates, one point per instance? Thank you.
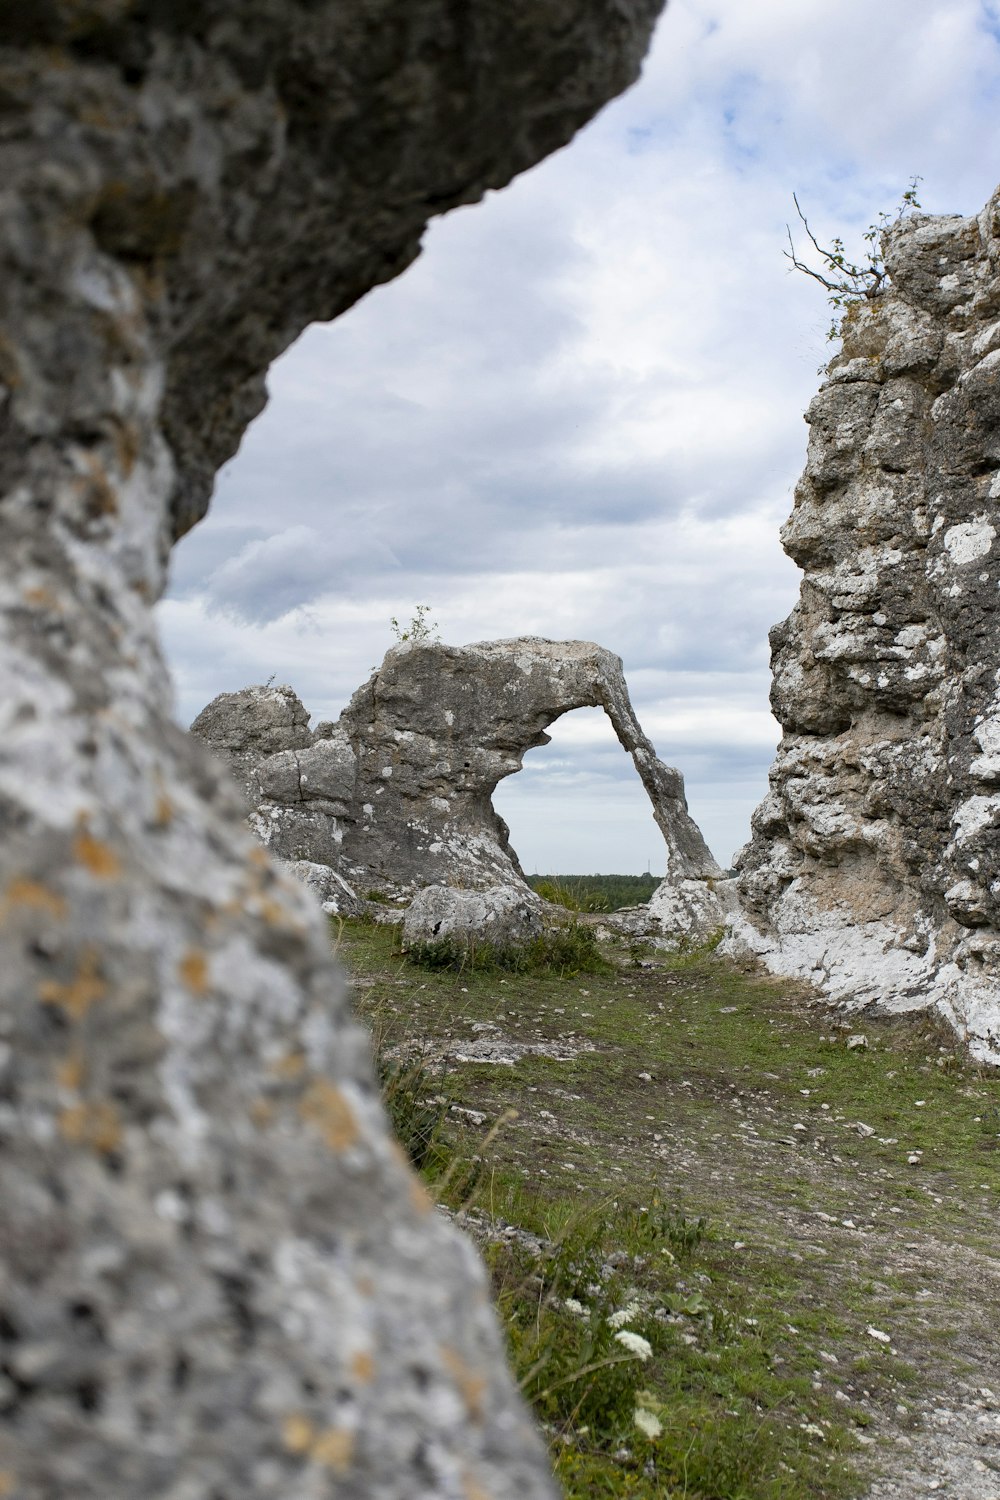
(874, 866)
(219, 1277)
(334, 894)
(246, 728)
(427, 739)
(505, 916)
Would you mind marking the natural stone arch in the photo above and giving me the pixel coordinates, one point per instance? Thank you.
(486, 705)
(192, 1145)
(397, 795)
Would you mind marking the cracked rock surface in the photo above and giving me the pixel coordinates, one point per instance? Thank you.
(397, 794)
(874, 863)
(217, 1276)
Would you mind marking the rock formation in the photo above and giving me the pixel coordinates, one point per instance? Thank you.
(397, 795)
(219, 1278)
(505, 916)
(874, 866)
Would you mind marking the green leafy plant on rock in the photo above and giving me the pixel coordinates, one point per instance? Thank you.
(420, 630)
(848, 282)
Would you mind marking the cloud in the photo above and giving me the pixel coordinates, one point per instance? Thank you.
(578, 414)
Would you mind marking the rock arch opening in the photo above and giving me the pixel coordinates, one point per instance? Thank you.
(577, 807)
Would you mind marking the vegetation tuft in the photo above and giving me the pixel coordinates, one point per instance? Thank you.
(561, 951)
(849, 283)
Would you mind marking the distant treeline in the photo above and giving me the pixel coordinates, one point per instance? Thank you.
(595, 892)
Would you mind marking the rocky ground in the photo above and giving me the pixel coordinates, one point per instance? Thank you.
(847, 1169)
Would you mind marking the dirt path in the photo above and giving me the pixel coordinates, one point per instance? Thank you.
(852, 1186)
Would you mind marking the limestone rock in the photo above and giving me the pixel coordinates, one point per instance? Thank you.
(428, 738)
(506, 916)
(874, 865)
(219, 1278)
(437, 727)
(247, 727)
(334, 894)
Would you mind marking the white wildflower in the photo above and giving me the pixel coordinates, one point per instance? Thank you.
(635, 1344)
(576, 1308)
(647, 1422)
(624, 1315)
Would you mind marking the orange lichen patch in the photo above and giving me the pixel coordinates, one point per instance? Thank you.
(70, 1072)
(363, 1367)
(297, 1433)
(262, 1113)
(365, 1286)
(126, 438)
(31, 893)
(79, 993)
(99, 492)
(193, 969)
(472, 1387)
(473, 1489)
(420, 1200)
(292, 1065)
(163, 814)
(100, 859)
(8, 1482)
(334, 1448)
(96, 1125)
(324, 1106)
(40, 598)
(273, 913)
(258, 858)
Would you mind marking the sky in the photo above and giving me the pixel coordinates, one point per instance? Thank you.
(579, 413)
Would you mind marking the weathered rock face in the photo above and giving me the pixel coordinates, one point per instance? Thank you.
(398, 795)
(218, 1276)
(874, 866)
(246, 728)
(504, 915)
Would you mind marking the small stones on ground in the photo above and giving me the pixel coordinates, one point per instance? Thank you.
(858, 1039)
(878, 1334)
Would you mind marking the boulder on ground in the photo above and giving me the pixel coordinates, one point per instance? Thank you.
(504, 916)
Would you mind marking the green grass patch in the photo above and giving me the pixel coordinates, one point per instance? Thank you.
(561, 952)
(705, 1145)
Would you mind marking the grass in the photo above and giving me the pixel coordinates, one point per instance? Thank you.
(702, 1145)
(561, 952)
